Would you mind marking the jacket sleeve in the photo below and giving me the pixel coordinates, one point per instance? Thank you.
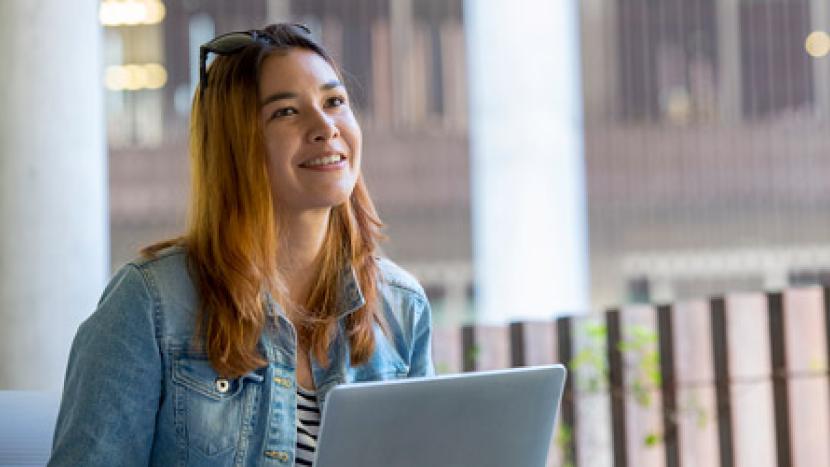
(113, 381)
(421, 359)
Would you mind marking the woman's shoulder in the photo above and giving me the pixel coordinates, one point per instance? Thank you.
(397, 278)
(165, 270)
(170, 259)
(159, 284)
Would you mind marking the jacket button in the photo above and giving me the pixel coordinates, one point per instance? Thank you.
(222, 385)
(279, 455)
(284, 382)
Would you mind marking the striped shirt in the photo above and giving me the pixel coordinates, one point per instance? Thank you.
(308, 426)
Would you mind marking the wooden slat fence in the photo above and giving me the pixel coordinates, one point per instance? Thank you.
(734, 381)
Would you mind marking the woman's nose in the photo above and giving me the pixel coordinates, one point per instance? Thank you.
(324, 129)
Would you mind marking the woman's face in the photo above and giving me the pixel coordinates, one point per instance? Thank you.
(312, 140)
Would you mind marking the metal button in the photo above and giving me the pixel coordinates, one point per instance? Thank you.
(279, 455)
(284, 382)
(222, 385)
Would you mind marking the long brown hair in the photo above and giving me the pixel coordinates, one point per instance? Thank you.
(232, 238)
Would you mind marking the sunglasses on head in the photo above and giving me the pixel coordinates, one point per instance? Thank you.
(231, 43)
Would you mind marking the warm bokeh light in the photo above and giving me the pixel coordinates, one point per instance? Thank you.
(134, 77)
(131, 12)
(156, 76)
(818, 44)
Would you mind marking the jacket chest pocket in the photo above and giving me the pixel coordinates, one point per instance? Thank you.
(210, 410)
(384, 364)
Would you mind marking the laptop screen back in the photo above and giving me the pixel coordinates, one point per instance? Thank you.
(488, 419)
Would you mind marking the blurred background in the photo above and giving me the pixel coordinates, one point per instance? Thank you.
(705, 130)
(534, 161)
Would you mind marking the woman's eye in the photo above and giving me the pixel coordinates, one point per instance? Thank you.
(284, 112)
(336, 101)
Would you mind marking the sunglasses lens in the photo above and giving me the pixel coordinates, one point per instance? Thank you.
(229, 43)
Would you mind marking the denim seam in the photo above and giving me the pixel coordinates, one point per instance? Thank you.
(152, 291)
(249, 419)
(178, 406)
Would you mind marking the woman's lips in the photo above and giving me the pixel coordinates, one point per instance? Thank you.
(341, 164)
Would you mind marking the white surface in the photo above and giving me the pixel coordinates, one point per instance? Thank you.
(27, 427)
(526, 145)
(53, 214)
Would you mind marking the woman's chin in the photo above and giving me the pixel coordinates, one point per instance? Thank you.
(320, 203)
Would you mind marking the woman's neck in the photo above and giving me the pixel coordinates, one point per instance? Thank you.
(302, 236)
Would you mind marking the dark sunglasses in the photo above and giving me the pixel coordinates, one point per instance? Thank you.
(231, 43)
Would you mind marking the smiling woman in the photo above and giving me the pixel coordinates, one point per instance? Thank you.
(312, 139)
(199, 351)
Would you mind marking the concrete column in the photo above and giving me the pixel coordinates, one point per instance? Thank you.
(526, 143)
(729, 60)
(54, 242)
(279, 11)
(820, 21)
(403, 72)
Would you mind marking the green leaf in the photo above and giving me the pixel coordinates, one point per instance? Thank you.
(652, 440)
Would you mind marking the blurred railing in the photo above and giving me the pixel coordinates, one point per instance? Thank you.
(740, 380)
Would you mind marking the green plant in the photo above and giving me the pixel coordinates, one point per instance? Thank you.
(564, 438)
(640, 356)
(473, 353)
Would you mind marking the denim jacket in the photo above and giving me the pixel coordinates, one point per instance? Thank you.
(136, 393)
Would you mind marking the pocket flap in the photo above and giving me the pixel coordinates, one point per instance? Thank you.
(195, 372)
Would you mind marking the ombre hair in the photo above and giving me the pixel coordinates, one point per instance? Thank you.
(232, 238)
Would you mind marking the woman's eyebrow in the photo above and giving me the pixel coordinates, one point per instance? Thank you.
(331, 85)
(278, 96)
(293, 95)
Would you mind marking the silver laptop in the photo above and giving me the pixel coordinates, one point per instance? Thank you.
(489, 419)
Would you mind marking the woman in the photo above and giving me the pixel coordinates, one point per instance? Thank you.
(219, 347)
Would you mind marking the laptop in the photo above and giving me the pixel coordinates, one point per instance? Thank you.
(488, 419)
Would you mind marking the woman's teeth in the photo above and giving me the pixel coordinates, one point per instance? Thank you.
(326, 160)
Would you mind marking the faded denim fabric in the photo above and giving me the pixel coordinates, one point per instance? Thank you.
(136, 393)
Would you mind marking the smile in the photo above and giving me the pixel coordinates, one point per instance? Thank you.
(324, 161)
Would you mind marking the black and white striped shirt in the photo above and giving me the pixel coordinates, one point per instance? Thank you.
(308, 426)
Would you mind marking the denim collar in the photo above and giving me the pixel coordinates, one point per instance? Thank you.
(349, 298)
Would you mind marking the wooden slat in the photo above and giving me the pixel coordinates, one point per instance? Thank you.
(469, 351)
(517, 344)
(780, 388)
(806, 351)
(827, 332)
(592, 433)
(567, 417)
(540, 343)
(751, 391)
(493, 347)
(697, 418)
(668, 385)
(720, 362)
(643, 401)
(616, 384)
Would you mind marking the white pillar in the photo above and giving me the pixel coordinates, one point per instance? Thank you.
(279, 11)
(54, 243)
(526, 143)
(729, 60)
